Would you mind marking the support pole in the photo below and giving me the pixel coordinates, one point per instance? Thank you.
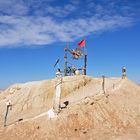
(103, 84)
(57, 95)
(85, 63)
(8, 106)
(65, 62)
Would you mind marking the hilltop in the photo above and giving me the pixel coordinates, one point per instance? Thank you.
(90, 114)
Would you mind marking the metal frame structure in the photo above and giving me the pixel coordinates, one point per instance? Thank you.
(76, 54)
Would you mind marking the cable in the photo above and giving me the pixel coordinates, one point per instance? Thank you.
(63, 82)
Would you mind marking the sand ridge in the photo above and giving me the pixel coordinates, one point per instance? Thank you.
(90, 114)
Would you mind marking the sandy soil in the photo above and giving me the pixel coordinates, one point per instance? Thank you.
(90, 114)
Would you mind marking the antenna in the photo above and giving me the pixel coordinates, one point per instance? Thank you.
(57, 61)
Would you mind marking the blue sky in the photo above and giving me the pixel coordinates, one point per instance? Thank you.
(33, 34)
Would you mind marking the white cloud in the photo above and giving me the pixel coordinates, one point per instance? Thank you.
(10, 7)
(38, 22)
(44, 30)
(61, 11)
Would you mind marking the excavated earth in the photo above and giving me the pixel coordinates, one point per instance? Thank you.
(90, 113)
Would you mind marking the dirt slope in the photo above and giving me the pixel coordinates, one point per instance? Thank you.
(90, 114)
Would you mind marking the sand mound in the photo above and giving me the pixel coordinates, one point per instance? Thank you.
(90, 114)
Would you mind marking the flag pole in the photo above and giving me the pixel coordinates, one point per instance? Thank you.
(85, 63)
(85, 59)
(65, 60)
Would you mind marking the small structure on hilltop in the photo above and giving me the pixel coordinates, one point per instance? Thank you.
(71, 69)
(68, 70)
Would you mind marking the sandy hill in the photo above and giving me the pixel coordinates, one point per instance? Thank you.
(90, 114)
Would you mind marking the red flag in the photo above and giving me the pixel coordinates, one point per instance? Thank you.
(82, 43)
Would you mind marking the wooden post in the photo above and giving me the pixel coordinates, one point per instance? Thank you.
(85, 63)
(103, 84)
(8, 106)
(57, 95)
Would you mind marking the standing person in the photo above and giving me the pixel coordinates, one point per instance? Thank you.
(123, 72)
(8, 106)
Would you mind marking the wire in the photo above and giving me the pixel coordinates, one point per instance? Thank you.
(63, 82)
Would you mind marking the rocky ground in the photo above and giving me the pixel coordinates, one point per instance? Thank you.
(90, 114)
